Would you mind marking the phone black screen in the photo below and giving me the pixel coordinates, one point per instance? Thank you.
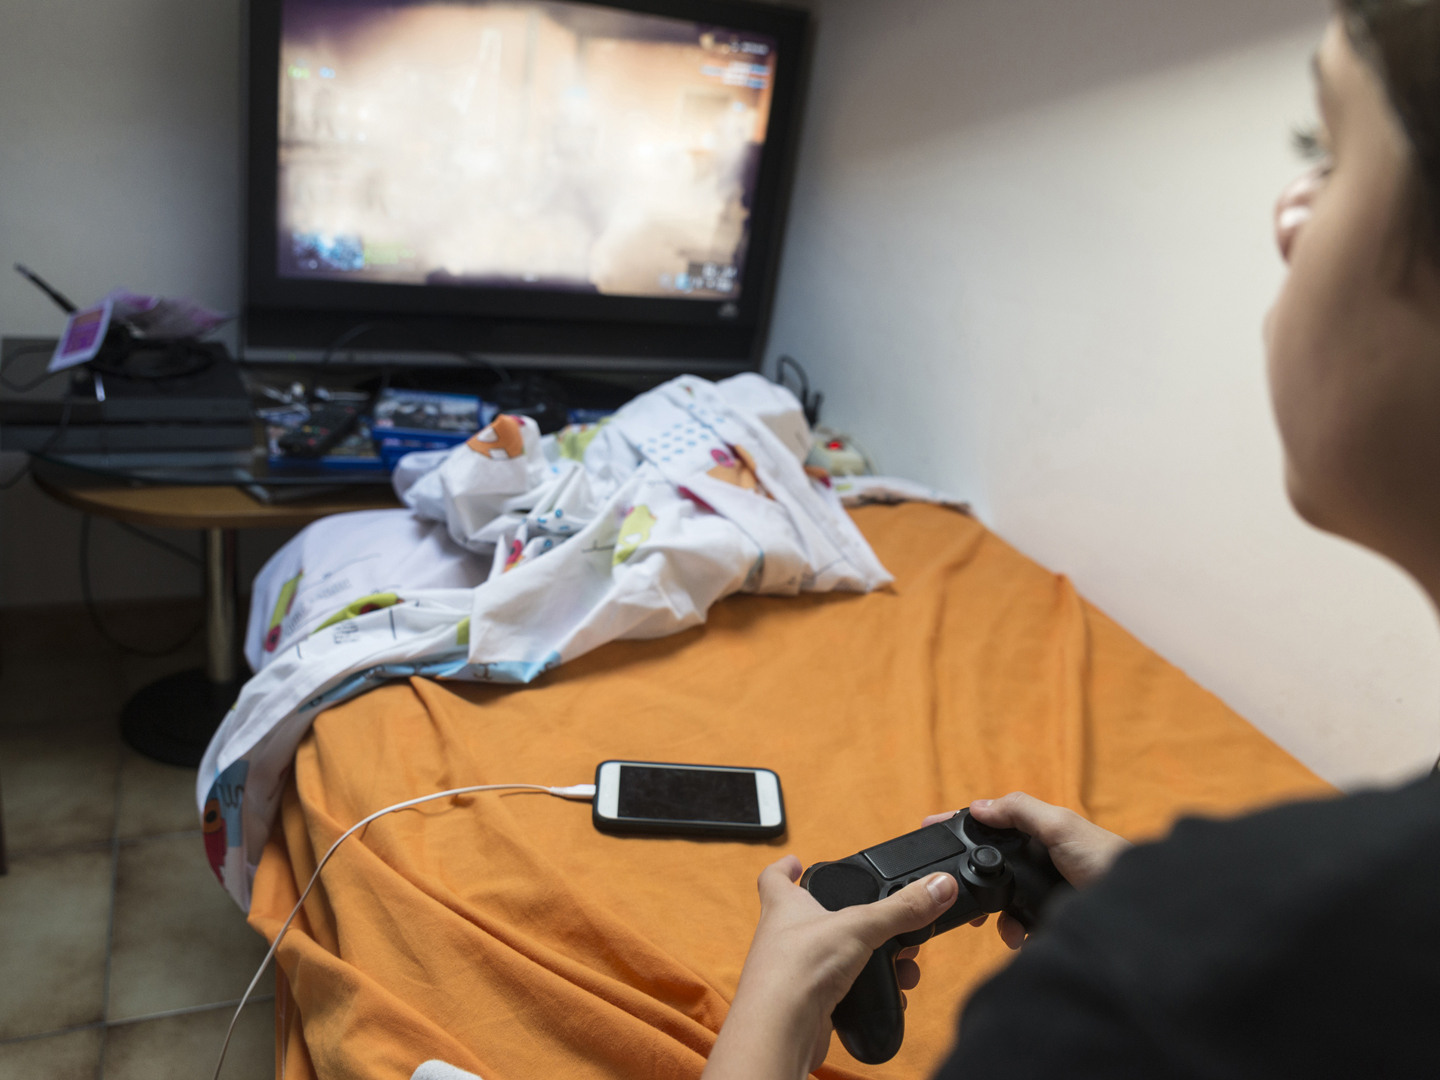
(687, 795)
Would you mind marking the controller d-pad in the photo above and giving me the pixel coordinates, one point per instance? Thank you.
(896, 886)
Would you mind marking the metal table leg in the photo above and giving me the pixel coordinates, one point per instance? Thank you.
(172, 719)
(221, 589)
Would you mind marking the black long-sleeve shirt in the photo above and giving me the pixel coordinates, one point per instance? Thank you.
(1302, 941)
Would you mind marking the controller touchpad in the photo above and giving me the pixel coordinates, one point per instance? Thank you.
(914, 850)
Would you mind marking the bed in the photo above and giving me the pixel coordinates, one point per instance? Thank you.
(504, 935)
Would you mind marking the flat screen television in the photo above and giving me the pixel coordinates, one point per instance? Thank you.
(561, 184)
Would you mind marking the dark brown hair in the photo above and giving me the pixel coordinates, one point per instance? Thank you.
(1400, 39)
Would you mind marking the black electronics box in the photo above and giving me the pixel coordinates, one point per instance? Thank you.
(139, 408)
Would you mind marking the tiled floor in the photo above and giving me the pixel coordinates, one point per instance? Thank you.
(120, 955)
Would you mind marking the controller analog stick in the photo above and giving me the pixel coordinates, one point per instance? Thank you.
(986, 861)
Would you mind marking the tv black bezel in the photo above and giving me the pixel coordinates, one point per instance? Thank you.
(556, 328)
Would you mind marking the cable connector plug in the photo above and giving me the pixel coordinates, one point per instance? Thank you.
(575, 791)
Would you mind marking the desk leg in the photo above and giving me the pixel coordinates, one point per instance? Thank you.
(221, 589)
(172, 719)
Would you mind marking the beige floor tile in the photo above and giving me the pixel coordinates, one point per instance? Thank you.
(59, 1057)
(185, 1047)
(155, 798)
(179, 940)
(54, 912)
(58, 783)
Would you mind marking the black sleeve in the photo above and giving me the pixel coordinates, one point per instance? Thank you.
(1304, 941)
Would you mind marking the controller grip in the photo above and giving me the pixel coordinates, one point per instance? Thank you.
(1036, 882)
(870, 1019)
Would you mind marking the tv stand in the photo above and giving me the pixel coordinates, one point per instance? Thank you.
(172, 719)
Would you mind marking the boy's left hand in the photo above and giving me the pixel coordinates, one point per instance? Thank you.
(802, 961)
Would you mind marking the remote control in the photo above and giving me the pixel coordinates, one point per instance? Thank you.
(997, 869)
(328, 424)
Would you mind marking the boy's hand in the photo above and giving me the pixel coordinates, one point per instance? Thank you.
(801, 963)
(1081, 850)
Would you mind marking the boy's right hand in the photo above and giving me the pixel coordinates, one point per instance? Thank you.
(1081, 850)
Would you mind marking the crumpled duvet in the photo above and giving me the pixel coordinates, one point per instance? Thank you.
(520, 553)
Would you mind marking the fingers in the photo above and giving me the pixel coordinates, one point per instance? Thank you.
(918, 904)
(1011, 932)
(790, 866)
(907, 973)
(979, 921)
(779, 875)
(935, 819)
(1048, 824)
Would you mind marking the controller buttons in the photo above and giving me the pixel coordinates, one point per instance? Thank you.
(987, 862)
(896, 886)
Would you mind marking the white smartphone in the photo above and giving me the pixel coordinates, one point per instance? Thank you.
(689, 800)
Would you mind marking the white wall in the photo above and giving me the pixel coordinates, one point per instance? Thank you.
(119, 165)
(1028, 261)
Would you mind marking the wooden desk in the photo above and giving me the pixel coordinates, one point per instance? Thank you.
(172, 719)
(207, 507)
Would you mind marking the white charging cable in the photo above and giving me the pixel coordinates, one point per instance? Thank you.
(574, 791)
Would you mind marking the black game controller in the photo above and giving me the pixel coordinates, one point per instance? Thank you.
(998, 870)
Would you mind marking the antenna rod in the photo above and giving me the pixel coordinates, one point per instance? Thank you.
(40, 283)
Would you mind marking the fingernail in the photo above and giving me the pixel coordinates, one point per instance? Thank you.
(980, 803)
(941, 888)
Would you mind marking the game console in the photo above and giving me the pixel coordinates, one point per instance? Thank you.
(997, 869)
(162, 402)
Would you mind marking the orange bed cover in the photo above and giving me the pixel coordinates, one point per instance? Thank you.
(504, 935)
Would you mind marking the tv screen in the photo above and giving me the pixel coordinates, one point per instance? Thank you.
(507, 166)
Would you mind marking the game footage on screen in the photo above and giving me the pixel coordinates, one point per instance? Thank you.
(523, 145)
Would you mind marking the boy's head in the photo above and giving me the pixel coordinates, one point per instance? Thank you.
(1353, 340)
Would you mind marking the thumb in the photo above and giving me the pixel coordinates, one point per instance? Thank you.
(918, 904)
(1046, 823)
(777, 879)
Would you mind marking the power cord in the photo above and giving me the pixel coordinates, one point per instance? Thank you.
(575, 791)
(164, 545)
(29, 350)
(88, 596)
(175, 359)
(361, 329)
(809, 402)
